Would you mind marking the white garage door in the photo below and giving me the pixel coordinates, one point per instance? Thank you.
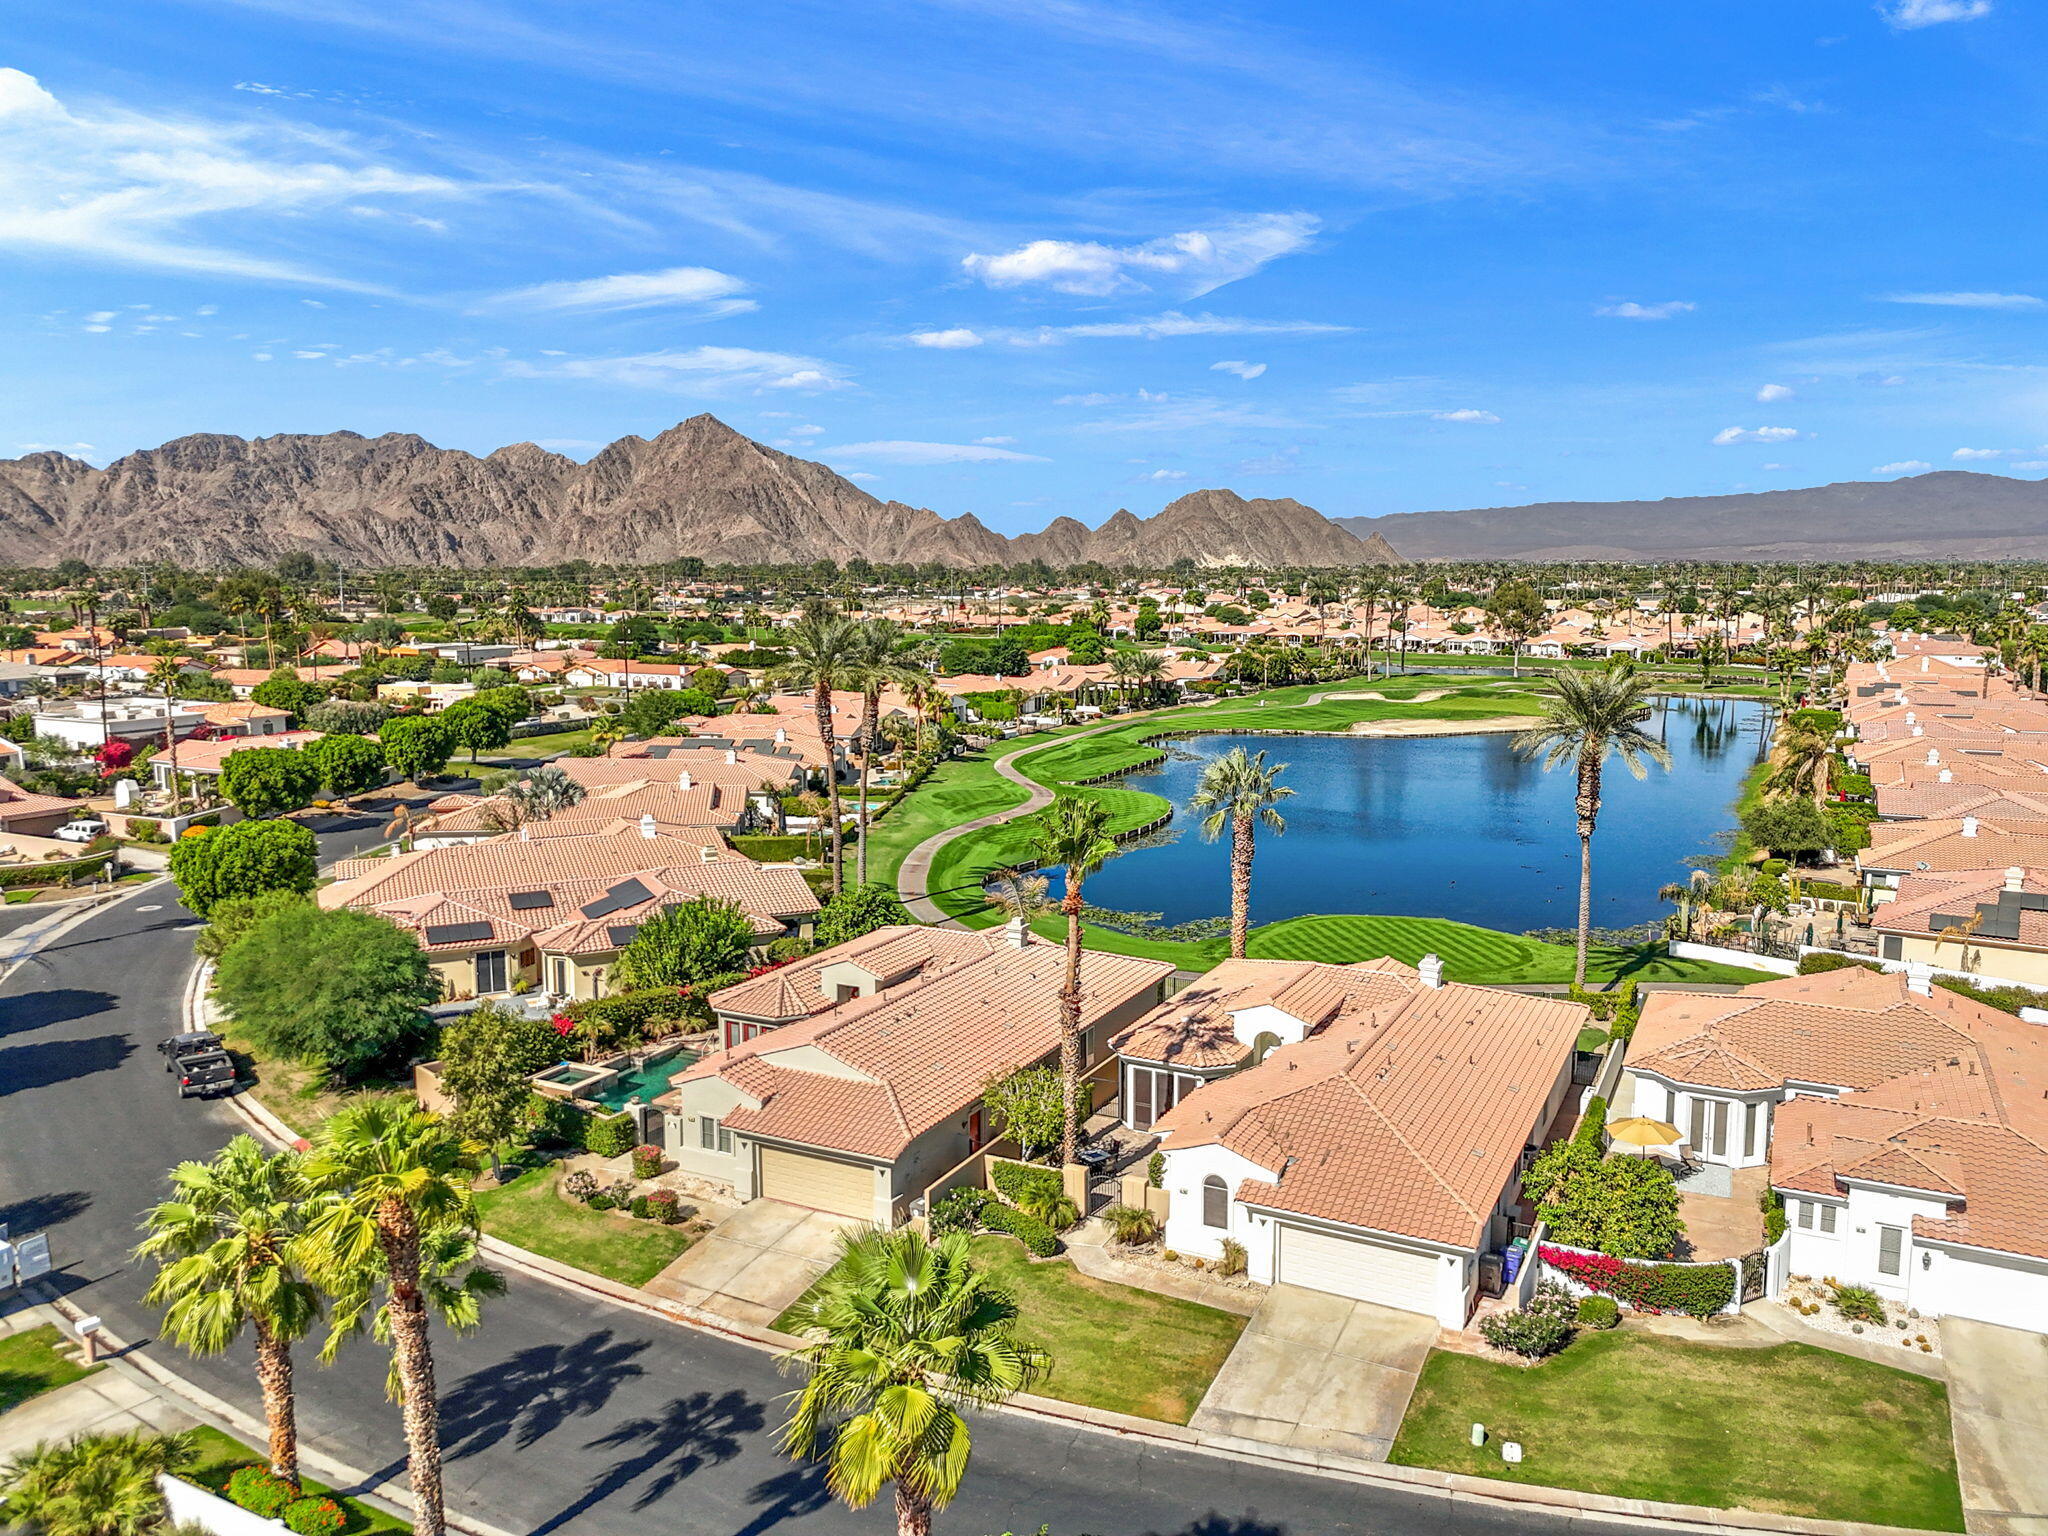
(2005, 1294)
(1358, 1268)
(821, 1183)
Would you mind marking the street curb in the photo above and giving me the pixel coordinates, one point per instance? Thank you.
(1490, 1493)
(76, 912)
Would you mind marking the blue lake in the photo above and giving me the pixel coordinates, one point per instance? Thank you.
(1447, 826)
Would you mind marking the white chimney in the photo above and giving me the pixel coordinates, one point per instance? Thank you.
(1911, 718)
(647, 824)
(1934, 757)
(1431, 968)
(525, 833)
(2015, 878)
(1969, 826)
(1946, 776)
(731, 756)
(1919, 730)
(781, 735)
(1017, 933)
(1920, 978)
(1923, 663)
(683, 780)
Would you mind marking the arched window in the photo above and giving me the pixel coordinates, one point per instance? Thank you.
(1264, 1045)
(1215, 1202)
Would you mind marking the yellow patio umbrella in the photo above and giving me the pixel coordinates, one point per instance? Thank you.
(1641, 1131)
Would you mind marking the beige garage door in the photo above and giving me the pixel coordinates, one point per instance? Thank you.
(1358, 1268)
(821, 1183)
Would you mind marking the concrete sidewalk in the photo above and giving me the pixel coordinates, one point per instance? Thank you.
(106, 1402)
(1998, 1403)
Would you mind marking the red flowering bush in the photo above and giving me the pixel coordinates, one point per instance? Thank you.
(1699, 1289)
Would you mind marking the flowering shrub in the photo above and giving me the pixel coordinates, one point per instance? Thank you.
(1698, 1289)
(259, 1491)
(646, 1161)
(314, 1517)
(664, 1206)
(580, 1185)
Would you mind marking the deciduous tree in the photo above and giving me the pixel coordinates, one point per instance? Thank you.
(245, 859)
(268, 781)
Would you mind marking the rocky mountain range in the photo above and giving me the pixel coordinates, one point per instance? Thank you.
(1950, 514)
(699, 489)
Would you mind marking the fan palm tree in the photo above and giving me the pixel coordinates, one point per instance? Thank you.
(167, 672)
(872, 666)
(1239, 791)
(392, 1230)
(902, 1334)
(1801, 766)
(1073, 834)
(222, 1245)
(1593, 715)
(1018, 894)
(823, 647)
(93, 1485)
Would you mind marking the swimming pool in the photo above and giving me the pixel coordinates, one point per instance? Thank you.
(642, 1082)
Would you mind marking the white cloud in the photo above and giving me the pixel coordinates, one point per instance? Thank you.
(807, 430)
(1908, 14)
(1191, 263)
(1770, 394)
(320, 355)
(1728, 436)
(860, 474)
(1088, 399)
(207, 309)
(1164, 327)
(1630, 310)
(898, 452)
(695, 286)
(698, 371)
(949, 340)
(72, 450)
(261, 357)
(1158, 414)
(1903, 467)
(1241, 369)
(1967, 300)
(314, 303)
(995, 442)
(1166, 474)
(2031, 464)
(102, 316)
(1982, 453)
(1484, 418)
(117, 185)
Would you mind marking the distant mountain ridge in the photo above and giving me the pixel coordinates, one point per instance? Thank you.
(1948, 514)
(699, 489)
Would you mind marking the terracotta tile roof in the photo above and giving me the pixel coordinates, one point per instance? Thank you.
(1949, 844)
(892, 954)
(704, 764)
(1407, 1117)
(1949, 801)
(207, 756)
(16, 802)
(1194, 1028)
(610, 807)
(918, 1053)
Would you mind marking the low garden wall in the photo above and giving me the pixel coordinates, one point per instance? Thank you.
(1684, 949)
(188, 1502)
(1709, 1289)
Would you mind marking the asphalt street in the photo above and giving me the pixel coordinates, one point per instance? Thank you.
(562, 1413)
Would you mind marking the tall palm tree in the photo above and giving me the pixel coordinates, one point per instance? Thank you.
(872, 667)
(168, 673)
(223, 1249)
(1073, 834)
(1239, 791)
(822, 647)
(392, 1228)
(1801, 766)
(1593, 715)
(901, 1335)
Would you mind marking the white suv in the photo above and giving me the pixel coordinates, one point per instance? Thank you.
(83, 830)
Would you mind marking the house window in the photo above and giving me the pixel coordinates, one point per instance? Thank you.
(1827, 1218)
(490, 971)
(1805, 1214)
(1215, 1202)
(1891, 1250)
(712, 1136)
(1153, 1092)
(1752, 1121)
(845, 993)
(1893, 947)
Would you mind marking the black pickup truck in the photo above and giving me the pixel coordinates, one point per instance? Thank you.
(202, 1068)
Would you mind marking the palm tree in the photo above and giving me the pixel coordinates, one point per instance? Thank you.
(1802, 762)
(822, 648)
(93, 1485)
(1073, 834)
(1239, 791)
(392, 1217)
(1593, 715)
(872, 666)
(222, 1244)
(168, 673)
(902, 1334)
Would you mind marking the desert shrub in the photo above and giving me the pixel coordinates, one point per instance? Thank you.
(1057, 1211)
(621, 1193)
(1034, 1234)
(260, 1491)
(315, 1517)
(1022, 1183)
(646, 1161)
(609, 1135)
(642, 1207)
(580, 1185)
(665, 1206)
(1131, 1225)
(959, 1210)
(1527, 1332)
(1601, 1312)
(1155, 1170)
(1234, 1258)
(1858, 1303)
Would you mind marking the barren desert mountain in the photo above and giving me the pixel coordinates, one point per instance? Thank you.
(1950, 514)
(699, 489)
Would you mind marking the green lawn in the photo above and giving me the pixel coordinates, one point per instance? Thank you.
(1786, 1430)
(30, 1365)
(222, 1455)
(1113, 1347)
(529, 1214)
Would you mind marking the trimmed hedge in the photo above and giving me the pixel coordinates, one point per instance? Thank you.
(260, 1491)
(629, 1010)
(315, 1516)
(1593, 1123)
(2004, 999)
(1819, 964)
(51, 874)
(1034, 1234)
(1026, 1183)
(610, 1135)
(1700, 1290)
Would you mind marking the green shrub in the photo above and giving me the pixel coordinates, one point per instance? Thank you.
(143, 830)
(609, 1135)
(1528, 1332)
(642, 1207)
(628, 1013)
(600, 1201)
(1131, 1225)
(665, 1206)
(2005, 999)
(1593, 1123)
(1155, 1170)
(1819, 964)
(546, 1121)
(646, 1162)
(1601, 1312)
(958, 1210)
(315, 1517)
(1034, 1234)
(259, 1491)
(1859, 1303)
(1700, 1290)
(1056, 1211)
(64, 873)
(1772, 1204)
(1022, 1184)
(1234, 1258)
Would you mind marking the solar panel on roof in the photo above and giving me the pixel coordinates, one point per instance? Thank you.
(527, 901)
(621, 934)
(627, 893)
(458, 933)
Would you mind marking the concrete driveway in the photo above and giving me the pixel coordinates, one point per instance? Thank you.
(1998, 1401)
(1319, 1373)
(755, 1263)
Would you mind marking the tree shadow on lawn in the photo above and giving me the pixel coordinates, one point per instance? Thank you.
(685, 1435)
(25, 1067)
(534, 1393)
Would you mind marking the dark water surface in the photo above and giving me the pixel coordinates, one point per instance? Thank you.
(1447, 826)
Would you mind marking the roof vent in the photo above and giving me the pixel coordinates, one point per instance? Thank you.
(647, 828)
(1969, 828)
(1431, 969)
(731, 756)
(1920, 978)
(1933, 757)
(2015, 878)
(683, 780)
(1946, 776)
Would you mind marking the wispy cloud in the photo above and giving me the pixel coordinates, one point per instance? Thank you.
(1907, 15)
(1770, 394)
(1629, 309)
(947, 340)
(711, 292)
(1903, 467)
(1187, 265)
(1967, 300)
(1243, 370)
(697, 371)
(900, 452)
(1189, 414)
(1728, 437)
(1482, 418)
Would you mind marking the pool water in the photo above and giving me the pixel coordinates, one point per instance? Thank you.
(644, 1082)
(1446, 826)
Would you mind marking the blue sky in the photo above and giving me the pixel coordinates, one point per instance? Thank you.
(1038, 257)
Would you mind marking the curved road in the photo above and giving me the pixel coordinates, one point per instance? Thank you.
(563, 1412)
